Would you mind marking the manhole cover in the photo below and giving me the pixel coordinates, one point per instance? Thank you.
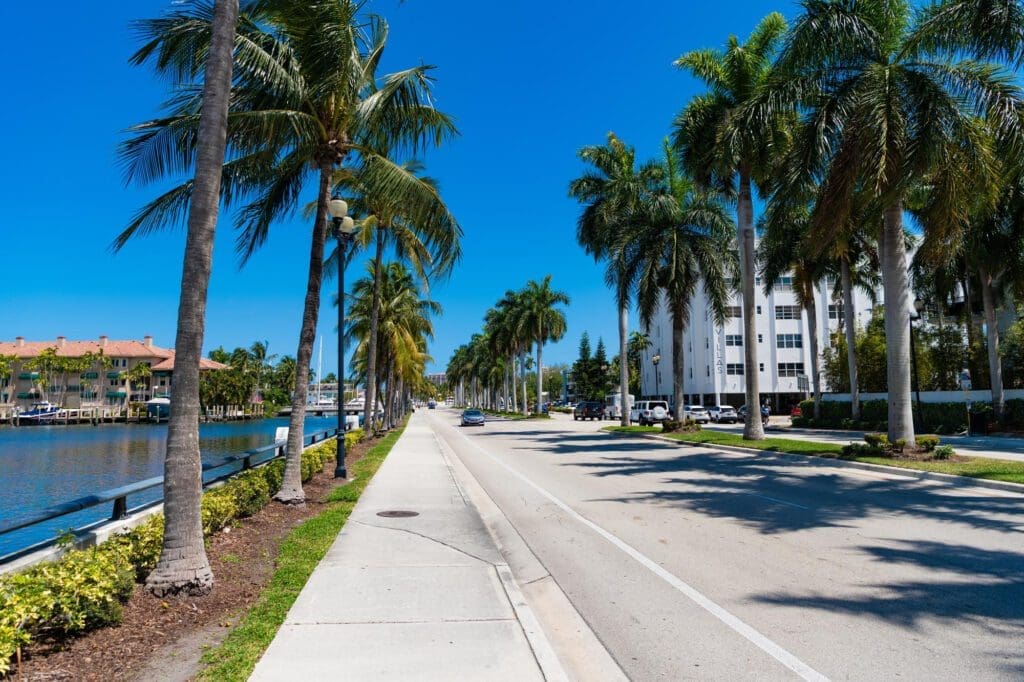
(397, 514)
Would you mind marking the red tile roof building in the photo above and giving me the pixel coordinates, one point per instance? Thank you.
(101, 384)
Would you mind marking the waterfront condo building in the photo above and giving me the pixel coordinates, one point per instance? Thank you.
(75, 374)
(714, 372)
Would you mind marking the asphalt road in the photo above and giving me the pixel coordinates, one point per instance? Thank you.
(694, 564)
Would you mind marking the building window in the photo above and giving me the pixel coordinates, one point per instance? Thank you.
(733, 311)
(707, 368)
(706, 342)
(761, 366)
(835, 311)
(757, 281)
(734, 339)
(784, 283)
(691, 372)
(787, 312)
(789, 340)
(734, 369)
(791, 369)
(760, 338)
(758, 310)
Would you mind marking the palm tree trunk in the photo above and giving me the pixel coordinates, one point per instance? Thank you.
(291, 485)
(677, 362)
(522, 370)
(389, 399)
(515, 382)
(811, 307)
(995, 364)
(371, 356)
(540, 367)
(752, 429)
(183, 565)
(624, 362)
(896, 288)
(849, 318)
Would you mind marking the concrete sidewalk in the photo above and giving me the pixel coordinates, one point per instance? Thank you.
(426, 597)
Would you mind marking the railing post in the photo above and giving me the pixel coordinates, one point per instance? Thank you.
(120, 508)
(247, 462)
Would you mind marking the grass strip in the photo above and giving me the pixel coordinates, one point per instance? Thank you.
(300, 553)
(975, 467)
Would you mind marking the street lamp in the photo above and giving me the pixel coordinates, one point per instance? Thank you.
(656, 359)
(916, 315)
(343, 225)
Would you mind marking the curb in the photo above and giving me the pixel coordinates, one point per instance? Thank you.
(951, 479)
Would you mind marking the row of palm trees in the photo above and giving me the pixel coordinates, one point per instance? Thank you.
(485, 368)
(278, 98)
(855, 114)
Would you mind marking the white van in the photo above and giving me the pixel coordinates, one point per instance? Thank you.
(647, 412)
(613, 405)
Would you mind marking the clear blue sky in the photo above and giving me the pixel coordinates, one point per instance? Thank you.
(528, 82)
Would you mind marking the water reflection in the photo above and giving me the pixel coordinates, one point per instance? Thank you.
(45, 465)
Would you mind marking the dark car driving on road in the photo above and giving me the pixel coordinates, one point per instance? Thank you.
(589, 409)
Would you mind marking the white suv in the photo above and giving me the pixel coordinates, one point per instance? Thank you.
(697, 413)
(647, 412)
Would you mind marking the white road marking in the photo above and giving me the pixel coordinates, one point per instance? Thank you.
(750, 634)
(774, 499)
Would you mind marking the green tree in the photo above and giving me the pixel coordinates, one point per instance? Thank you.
(582, 370)
(890, 99)
(545, 320)
(683, 245)
(639, 344)
(612, 191)
(183, 565)
(721, 148)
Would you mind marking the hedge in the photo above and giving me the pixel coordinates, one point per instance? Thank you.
(942, 418)
(85, 588)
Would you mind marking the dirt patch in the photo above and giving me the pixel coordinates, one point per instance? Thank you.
(164, 638)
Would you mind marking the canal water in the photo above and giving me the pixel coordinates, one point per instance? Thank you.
(41, 466)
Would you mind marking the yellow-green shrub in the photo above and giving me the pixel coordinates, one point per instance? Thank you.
(218, 509)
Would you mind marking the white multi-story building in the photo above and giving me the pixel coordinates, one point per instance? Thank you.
(714, 371)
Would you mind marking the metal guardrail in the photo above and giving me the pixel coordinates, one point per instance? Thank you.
(119, 496)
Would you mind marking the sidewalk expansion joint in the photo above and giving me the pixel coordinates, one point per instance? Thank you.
(403, 622)
(426, 537)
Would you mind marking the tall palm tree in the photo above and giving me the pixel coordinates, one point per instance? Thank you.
(890, 99)
(545, 321)
(612, 191)
(308, 100)
(721, 149)
(682, 244)
(422, 232)
(183, 565)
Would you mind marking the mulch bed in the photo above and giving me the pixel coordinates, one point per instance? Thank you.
(242, 559)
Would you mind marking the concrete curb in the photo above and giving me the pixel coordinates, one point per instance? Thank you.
(951, 479)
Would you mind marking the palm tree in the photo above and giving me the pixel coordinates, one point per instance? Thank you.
(889, 99)
(403, 328)
(683, 243)
(721, 149)
(308, 101)
(544, 320)
(422, 232)
(612, 192)
(183, 565)
(638, 344)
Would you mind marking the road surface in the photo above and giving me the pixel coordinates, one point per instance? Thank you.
(691, 563)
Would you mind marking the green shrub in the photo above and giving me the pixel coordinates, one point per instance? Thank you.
(877, 440)
(273, 473)
(670, 426)
(927, 442)
(250, 491)
(899, 445)
(854, 450)
(799, 422)
(218, 509)
(943, 452)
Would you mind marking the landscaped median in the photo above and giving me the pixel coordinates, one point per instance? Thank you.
(973, 467)
(85, 589)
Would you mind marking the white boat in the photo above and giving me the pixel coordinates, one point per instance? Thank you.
(42, 411)
(159, 408)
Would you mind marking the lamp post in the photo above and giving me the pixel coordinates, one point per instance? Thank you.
(916, 315)
(656, 359)
(343, 225)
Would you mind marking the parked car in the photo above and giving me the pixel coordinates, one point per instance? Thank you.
(588, 409)
(473, 417)
(765, 412)
(723, 414)
(697, 413)
(647, 412)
